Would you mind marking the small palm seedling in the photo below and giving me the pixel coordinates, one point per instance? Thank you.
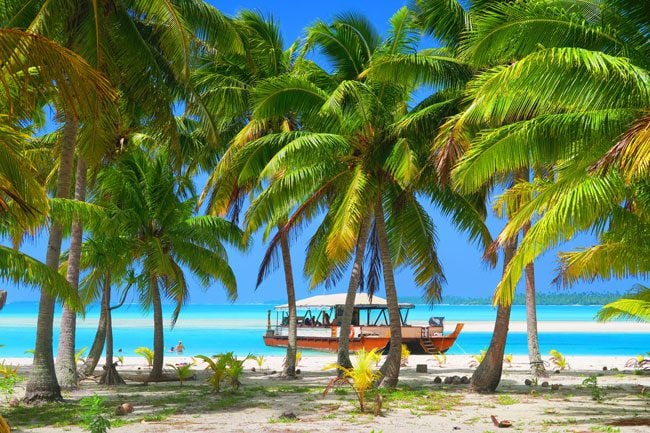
(441, 359)
(94, 414)
(591, 383)
(361, 376)
(79, 355)
(183, 371)
(558, 360)
(8, 378)
(146, 353)
(405, 356)
(507, 359)
(477, 359)
(217, 366)
(225, 368)
(259, 360)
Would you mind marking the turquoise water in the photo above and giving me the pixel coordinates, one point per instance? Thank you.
(211, 329)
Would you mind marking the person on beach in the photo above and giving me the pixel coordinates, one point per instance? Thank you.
(179, 347)
(171, 349)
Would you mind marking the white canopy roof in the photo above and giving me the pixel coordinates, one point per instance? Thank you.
(362, 300)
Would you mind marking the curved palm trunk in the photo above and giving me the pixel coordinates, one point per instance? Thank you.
(390, 368)
(110, 375)
(487, 376)
(89, 366)
(158, 339)
(42, 383)
(535, 358)
(343, 357)
(292, 344)
(66, 367)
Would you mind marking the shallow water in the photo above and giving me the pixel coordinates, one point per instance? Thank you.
(211, 329)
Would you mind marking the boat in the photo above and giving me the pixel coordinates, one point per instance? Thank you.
(319, 327)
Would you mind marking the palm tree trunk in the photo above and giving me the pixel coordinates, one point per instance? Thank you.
(390, 368)
(535, 358)
(89, 366)
(487, 376)
(110, 375)
(343, 358)
(158, 338)
(42, 383)
(66, 367)
(292, 343)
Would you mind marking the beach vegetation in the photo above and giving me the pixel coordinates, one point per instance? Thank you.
(441, 359)
(183, 371)
(361, 376)
(94, 415)
(506, 400)
(634, 305)
(9, 378)
(225, 369)
(405, 356)
(146, 353)
(558, 360)
(259, 360)
(477, 359)
(79, 355)
(591, 383)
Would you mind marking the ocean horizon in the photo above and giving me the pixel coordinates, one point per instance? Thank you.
(216, 328)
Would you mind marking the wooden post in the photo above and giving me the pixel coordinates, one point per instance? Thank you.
(268, 321)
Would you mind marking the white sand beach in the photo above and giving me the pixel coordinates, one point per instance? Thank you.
(565, 405)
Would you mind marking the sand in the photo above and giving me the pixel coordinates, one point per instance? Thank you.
(264, 397)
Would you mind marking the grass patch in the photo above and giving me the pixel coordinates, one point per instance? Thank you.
(421, 400)
(506, 400)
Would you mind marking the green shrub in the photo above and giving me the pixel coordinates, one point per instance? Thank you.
(94, 414)
(146, 353)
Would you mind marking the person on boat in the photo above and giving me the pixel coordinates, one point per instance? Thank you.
(308, 321)
(326, 319)
(179, 347)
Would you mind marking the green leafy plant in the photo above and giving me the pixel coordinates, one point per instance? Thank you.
(9, 378)
(558, 360)
(146, 353)
(225, 368)
(361, 376)
(507, 359)
(120, 359)
(183, 371)
(441, 359)
(79, 355)
(477, 359)
(94, 414)
(259, 359)
(591, 383)
(404, 360)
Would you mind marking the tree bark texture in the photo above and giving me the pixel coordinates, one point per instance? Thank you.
(343, 357)
(487, 376)
(42, 383)
(110, 376)
(535, 358)
(66, 367)
(390, 368)
(292, 343)
(89, 366)
(158, 338)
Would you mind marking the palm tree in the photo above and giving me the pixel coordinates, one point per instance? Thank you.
(635, 305)
(513, 123)
(226, 83)
(352, 158)
(145, 57)
(150, 205)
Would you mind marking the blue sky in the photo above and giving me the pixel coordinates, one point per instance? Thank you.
(466, 274)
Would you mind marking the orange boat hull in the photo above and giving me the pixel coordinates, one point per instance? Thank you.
(434, 344)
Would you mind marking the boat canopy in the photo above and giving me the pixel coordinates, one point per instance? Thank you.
(362, 300)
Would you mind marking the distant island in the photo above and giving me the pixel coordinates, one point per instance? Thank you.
(568, 298)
